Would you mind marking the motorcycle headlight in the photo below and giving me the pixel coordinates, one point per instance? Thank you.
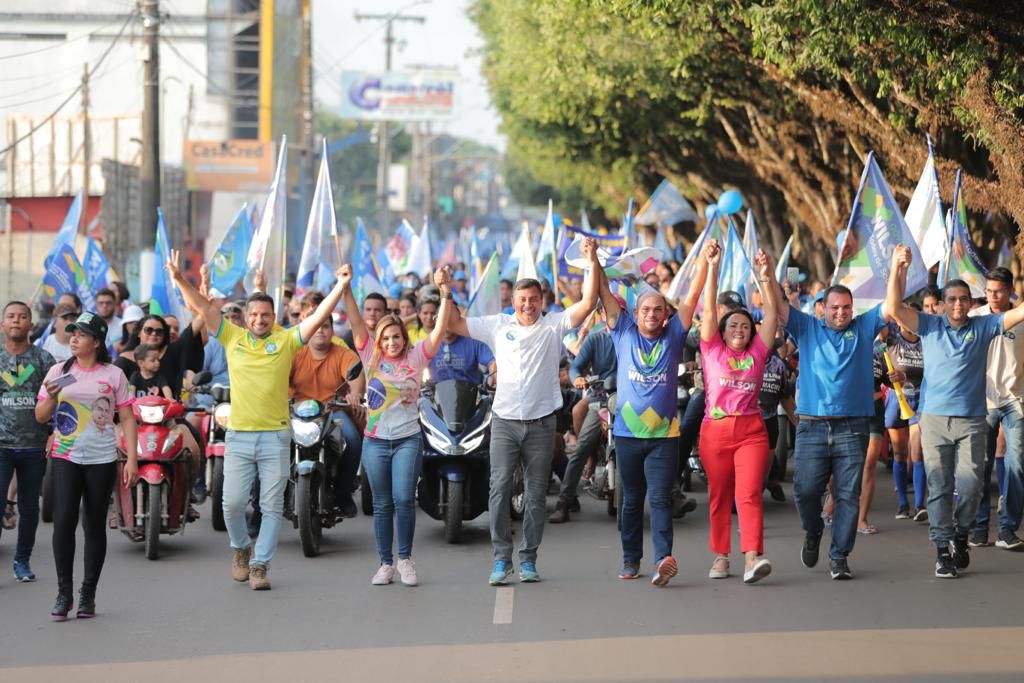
(152, 415)
(474, 442)
(221, 415)
(305, 433)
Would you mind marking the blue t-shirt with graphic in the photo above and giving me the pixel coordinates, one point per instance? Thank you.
(646, 380)
(835, 365)
(461, 360)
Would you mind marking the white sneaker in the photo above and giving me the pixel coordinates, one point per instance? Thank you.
(384, 575)
(761, 569)
(407, 570)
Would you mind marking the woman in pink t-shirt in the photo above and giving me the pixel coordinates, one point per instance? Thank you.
(733, 439)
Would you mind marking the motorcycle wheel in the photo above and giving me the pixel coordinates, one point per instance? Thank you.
(366, 495)
(453, 511)
(308, 513)
(518, 500)
(154, 505)
(46, 505)
(217, 496)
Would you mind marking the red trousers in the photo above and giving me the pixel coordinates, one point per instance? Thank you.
(734, 451)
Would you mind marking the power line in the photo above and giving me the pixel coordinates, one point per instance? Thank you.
(73, 92)
(44, 98)
(62, 44)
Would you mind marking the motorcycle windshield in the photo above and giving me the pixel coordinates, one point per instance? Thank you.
(456, 402)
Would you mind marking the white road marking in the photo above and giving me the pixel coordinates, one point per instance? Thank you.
(503, 604)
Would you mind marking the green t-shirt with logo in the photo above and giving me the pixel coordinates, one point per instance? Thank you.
(258, 370)
(21, 376)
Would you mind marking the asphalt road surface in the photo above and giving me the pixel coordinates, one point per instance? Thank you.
(182, 617)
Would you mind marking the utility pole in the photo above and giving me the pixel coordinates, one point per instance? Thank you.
(150, 185)
(86, 145)
(384, 140)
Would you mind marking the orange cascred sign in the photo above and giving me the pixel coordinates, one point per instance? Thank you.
(229, 166)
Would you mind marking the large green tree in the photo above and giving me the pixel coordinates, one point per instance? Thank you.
(782, 100)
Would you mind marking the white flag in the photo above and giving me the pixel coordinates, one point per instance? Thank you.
(924, 216)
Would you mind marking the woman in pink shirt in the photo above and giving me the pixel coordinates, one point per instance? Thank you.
(733, 439)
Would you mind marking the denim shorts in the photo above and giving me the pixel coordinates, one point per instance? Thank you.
(876, 423)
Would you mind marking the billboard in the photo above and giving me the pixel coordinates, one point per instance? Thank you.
(398, 95)
(229, 166)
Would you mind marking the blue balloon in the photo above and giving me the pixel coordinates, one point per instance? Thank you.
(710, 211)
(730, 202)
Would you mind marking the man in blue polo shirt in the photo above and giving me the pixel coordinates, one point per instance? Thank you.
(954, 431)
(834, 401)
(461, 359)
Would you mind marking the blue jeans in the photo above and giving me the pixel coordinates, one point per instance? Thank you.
(646, 465)
(393, 467)
(832, 447)
(30, 466)
(245, 454)
(1011, 417)
(348, 462)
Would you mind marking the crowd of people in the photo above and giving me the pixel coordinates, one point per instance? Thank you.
(934, 380)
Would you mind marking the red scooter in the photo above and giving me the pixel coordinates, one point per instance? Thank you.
(159, 501)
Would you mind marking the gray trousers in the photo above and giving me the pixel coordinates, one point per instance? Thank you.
(586, 444)
(532, 444)
(954, 459)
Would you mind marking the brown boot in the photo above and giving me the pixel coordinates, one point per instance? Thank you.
(240, 564)
(561, 513)
(258, 580)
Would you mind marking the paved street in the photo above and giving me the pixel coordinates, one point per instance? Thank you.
(322, 618)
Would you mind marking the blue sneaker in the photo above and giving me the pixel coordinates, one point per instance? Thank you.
(23, 573)
(528, 572)
(502, 570)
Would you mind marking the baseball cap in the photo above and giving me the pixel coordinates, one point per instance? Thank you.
(90, 323)
(730, 298)
(65, 310)
(132, 314)
(819, 296)
(460, 275)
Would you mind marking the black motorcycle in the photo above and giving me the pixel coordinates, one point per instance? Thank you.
(310, 499)
(216, 425)
(455, 419)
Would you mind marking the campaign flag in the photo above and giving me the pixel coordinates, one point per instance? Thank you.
(751, 245)
(163, 297)
(629, 266)
(321, 230)
(666, 206)
(1004, 257)
(475, 263)
(393, 257)
(526, 266)
(876, 227)
(266, 252)
(735, 271)
(961, 261)
(98, 272)
(681, 282)
(613, 245)
(510, 269)
(547, 254)
(228, 263)
(584, 219)
(924, 215)
(365, 278)
(783, 264)
(66, 274)
(420, 260)
(69, 228)
(449, 255)
(486, 298)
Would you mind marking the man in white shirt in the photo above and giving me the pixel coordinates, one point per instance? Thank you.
(527, 348)
(106, 306)
(1004, 390)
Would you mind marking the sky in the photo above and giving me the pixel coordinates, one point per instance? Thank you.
(447, 38)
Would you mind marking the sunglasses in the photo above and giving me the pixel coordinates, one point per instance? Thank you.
(153, 330)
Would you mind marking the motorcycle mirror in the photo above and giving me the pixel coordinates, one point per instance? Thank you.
(203, 377)
(354, 371)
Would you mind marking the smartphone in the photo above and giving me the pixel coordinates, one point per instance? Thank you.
(793, 277)
(65, 380)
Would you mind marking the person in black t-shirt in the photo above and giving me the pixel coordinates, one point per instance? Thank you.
(148, 380)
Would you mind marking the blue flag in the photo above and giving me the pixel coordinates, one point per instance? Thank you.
(163, 298)
(666, 206)
(65, 274)
(68, 229)
(365, 278)
(227, 265)
(321, 229)
(735, 271)
(97, 267)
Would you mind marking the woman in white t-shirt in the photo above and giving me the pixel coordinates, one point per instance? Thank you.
(81, 395)
(392, 452)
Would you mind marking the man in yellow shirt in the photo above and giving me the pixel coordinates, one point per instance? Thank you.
(259, 362)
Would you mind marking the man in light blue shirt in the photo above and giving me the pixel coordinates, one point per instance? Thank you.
(954, 431)
(835, 404)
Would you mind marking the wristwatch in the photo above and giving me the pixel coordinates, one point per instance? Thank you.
(448, 296)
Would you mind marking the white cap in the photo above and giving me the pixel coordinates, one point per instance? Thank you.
(132, 314)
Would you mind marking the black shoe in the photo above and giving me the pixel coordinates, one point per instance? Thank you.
(574, 505)
(681, 505)
(347, 507)
(86, 603)
(1009, 541)
(809, 553)
(961, 553)
(199, 493)
(840, 570)
(777, 494)
(978, 538)
(903, 512)
(945, 567)
(561, 513)
(63, 605)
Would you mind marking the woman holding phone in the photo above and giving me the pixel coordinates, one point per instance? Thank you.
(81, 396)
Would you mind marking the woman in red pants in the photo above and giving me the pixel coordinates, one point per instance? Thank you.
(733, 439)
